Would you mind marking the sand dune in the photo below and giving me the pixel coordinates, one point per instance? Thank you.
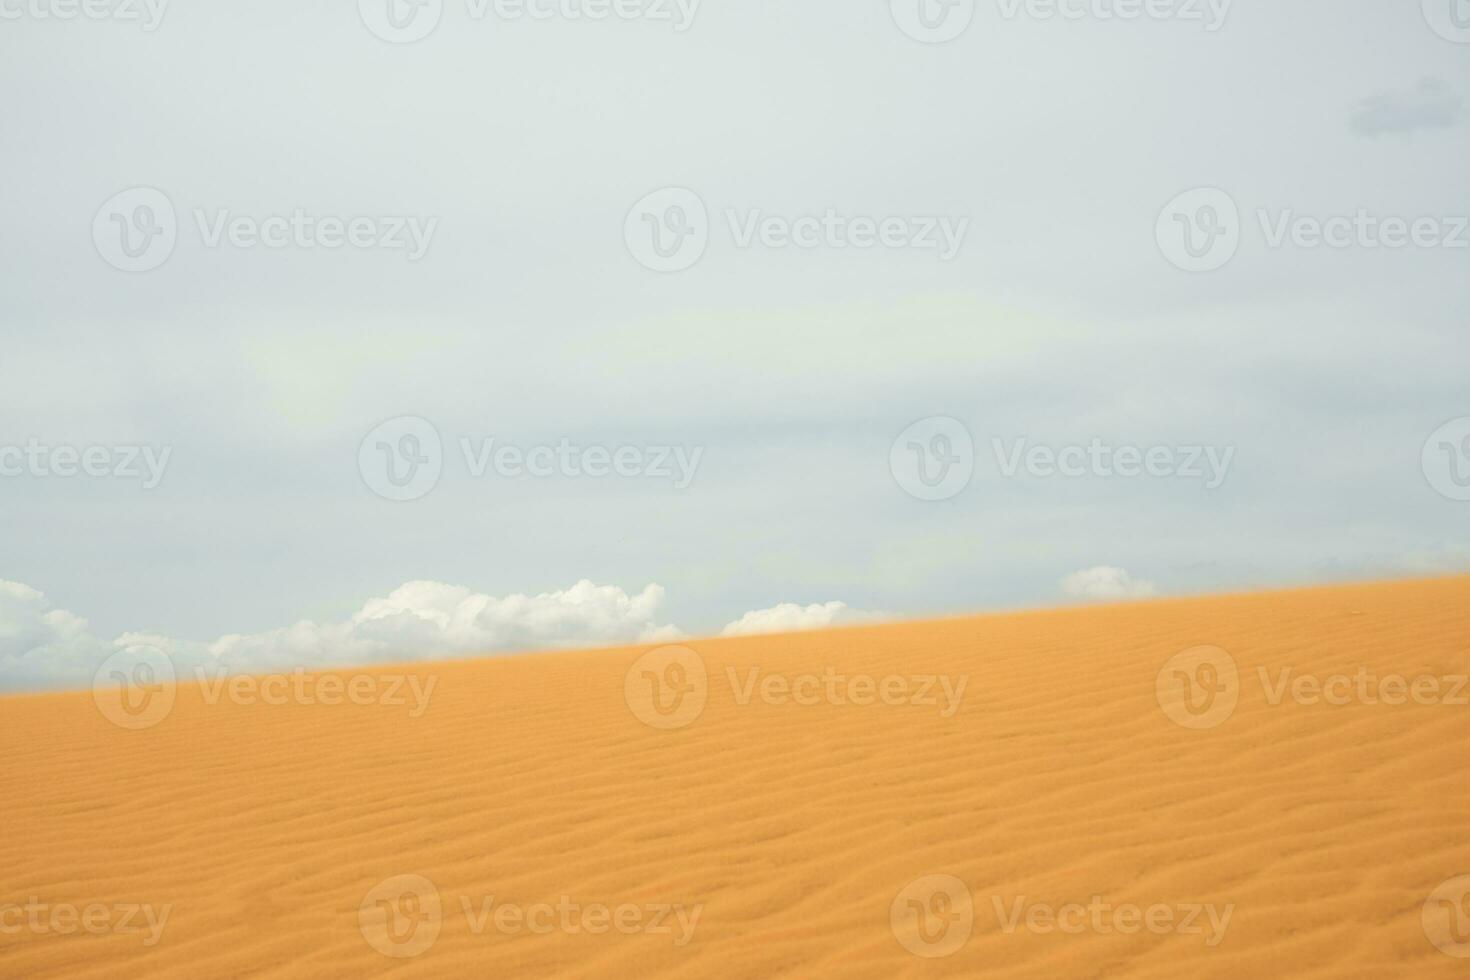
(1129, 791)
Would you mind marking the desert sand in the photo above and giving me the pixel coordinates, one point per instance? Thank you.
(1124, 791)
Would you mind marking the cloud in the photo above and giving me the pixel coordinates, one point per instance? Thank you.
(41, 646)
(423, 620)
(788, 617)
(1430, 105)
(1106, 582)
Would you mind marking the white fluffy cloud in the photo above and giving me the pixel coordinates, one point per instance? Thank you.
(423, 620)
(42, 646)
(1106, 582)
(788, 617)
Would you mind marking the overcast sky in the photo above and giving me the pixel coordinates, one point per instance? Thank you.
(506, 168)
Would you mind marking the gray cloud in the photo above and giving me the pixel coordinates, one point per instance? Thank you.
(1432, 104)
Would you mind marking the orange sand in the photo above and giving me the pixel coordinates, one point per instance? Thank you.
(809, 837)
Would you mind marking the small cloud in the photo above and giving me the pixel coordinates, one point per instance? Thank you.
(43, 646)
(40, 644)
(1430, 105)
(1106, 582)
(788, 617)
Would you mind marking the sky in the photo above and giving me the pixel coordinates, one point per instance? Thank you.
(443, 329)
